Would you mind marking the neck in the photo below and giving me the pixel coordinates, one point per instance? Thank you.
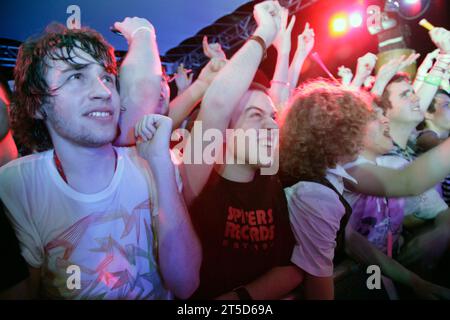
(400, 133)
(87, 169)
(237, 172)
(442, 133)
(369, 155)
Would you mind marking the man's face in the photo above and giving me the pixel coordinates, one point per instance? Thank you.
(405, 104)
(377, 139)
(85, 106)
(258, 116)
(441, 117)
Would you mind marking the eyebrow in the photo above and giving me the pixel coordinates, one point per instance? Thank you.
(405, 92)
(254, 107)
(75, 67)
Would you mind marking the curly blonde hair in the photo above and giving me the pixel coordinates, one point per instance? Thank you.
(323, 125)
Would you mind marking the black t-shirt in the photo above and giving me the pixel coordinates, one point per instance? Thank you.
(13, 268)
(244, 230)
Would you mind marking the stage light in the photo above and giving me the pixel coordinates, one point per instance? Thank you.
(356, 20)
(411, 1)
(338, 24)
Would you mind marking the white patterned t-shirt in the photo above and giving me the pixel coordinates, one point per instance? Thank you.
(108, 236)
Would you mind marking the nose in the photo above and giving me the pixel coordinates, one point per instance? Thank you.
(99, 90)
(270, 123)
(415, 97)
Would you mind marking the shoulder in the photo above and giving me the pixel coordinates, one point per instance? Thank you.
(314, 200)
(23, 167)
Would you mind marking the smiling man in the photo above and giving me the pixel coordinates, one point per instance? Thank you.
(115, 213)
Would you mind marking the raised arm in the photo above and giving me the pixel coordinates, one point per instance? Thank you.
(182, 105)
(389, 70)
(364, 68)
(227, 89)
(280, 86)
(179, 248)
(422, 174)
(305, 43)
(346, 75)
(423, 69)
(426, 92)
(140, 76)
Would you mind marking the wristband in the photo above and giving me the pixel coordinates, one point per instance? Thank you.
(139, 29)
(284, 83)
(261, 42)
(438, 68)
(433, 80)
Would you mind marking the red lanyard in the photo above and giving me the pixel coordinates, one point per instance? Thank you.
(61, 170)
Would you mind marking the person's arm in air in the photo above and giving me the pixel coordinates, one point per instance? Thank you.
(139, 76)
(364, 68)
(389, 70)
(226, 90)
(305, 43)
(184, 103)
(279, 86)
(427, 91)
(423, 69)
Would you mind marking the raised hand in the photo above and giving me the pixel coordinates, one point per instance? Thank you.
(130, 27)
(390, 69)
(346, 75)
(283, 40)
(365, 65)
(153, 134)
(305, 41)
(427, 63)
(267, 15)
(441, 38)
(210, 71)
(182, 79)
(213, 50)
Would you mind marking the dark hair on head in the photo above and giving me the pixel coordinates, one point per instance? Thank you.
(385, 102)
(432, 108)
(31, 87)
(323, 126)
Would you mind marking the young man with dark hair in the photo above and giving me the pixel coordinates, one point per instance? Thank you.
(93, 220)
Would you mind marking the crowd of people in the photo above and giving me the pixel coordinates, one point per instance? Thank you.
(110, 190)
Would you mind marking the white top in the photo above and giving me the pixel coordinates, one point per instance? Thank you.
(315, 213)
(108, 235)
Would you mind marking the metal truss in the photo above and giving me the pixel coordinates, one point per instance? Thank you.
(233, 34)
(230, 36)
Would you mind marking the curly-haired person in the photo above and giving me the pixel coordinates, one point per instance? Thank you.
(321, 129)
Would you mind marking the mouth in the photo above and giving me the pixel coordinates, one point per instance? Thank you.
(100, 114)
(387, 134)
(416, 108)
